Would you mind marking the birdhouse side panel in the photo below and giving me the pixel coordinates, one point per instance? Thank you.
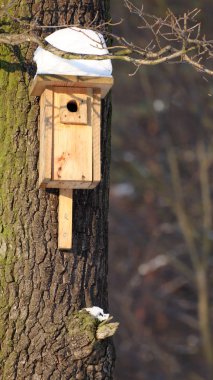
(72, 139)
(46, 130)
(96, 138)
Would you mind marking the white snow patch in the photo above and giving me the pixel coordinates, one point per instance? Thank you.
(97, 312)
(79, 41)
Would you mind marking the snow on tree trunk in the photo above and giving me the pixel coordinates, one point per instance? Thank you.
(40, 287)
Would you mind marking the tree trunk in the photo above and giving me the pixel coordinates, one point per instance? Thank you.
(40, 286)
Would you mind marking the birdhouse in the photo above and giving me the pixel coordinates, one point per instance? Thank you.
(70, 125)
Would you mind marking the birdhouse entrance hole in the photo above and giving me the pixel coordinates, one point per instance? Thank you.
(72, 106)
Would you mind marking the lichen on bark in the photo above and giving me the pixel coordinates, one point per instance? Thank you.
(85, 332)
(81, 328)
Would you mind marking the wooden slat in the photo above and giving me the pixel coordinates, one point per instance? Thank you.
(72, 143)
(46, 125)
(81, 100)
(96, 138)
(67, 185)
(65, 219)
(42, 81)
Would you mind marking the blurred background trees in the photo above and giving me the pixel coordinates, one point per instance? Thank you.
(161, 233)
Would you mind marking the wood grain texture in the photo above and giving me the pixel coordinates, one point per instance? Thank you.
(65, 219)
(78, 100)
(96, 138)
(72, 142)
(43, 81)
(68, 185)
(46, 133)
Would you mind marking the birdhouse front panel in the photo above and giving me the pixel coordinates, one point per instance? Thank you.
(70, 138)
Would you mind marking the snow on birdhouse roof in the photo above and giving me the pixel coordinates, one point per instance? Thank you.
(79, 41)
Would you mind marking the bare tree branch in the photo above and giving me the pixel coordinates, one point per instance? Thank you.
(175, 39)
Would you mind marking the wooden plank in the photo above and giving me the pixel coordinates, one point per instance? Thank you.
(41, 142)
(72, 143)
(46, 128)
(67, 185)
(77, 103)
(42, 81)
(96, 138)
(65, 219)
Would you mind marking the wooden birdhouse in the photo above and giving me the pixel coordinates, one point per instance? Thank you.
(70, 135)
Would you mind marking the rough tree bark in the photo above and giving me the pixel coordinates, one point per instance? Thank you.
(40, 287)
